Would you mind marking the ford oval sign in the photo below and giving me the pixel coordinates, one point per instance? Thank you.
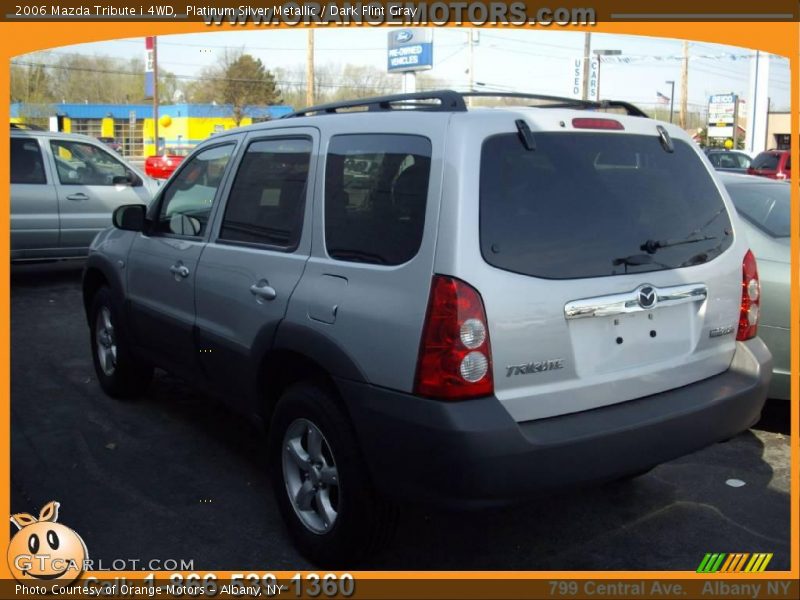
(403, 36)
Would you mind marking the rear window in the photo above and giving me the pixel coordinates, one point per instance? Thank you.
(597, 204)
(765, 161)
(376, 191)
(767, 206)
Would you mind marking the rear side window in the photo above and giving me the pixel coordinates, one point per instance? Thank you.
(376, 189)
(767, 206)
(765, 160)
(788, 166)
(267, 199)
(597, 204)
(26, 161)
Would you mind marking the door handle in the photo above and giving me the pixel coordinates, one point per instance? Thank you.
(263, 290)
(77, 197)
(179, 271)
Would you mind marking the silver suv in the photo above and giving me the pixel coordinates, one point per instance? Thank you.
(64, 188)
(427, 302)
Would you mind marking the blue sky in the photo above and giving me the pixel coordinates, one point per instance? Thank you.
(522, 60)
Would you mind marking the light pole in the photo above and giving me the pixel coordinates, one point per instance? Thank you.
(600, 54)
(671, 98)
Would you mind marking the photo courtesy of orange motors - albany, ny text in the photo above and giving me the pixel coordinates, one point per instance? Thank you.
(399, 300)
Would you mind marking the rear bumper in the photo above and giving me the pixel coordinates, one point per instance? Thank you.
(472, 453)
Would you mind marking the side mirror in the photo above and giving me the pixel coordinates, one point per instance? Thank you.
(130, 178)
(181, 224)
(129, 217)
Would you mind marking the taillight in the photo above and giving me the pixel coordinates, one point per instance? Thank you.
(751, 298)
(455, 358)
(596, 123)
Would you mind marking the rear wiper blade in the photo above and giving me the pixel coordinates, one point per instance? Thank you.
(652, 246)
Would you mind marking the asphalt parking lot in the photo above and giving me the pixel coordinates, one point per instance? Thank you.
(175, 475)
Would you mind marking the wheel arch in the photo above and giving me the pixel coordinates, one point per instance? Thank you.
(300, 353)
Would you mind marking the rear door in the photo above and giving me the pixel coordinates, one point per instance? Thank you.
(34, 204)
(87, 192)
(257, 254)
(603, 267)
(162, 263)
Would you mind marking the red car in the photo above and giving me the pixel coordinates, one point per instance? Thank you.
(162, 166)
(775, 164)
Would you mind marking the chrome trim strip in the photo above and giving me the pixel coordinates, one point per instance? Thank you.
(628, 302)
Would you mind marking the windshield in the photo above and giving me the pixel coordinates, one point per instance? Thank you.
(767, 206)
(597, 204)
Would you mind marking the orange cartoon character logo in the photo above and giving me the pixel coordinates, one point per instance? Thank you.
(45, 550)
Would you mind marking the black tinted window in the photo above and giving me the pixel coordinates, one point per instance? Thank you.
(26, 161)
(765, 161)
(268, 195)
(376, 189)
(765, 205)
(597, 204)
(186, 203)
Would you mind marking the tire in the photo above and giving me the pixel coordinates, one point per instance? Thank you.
(343, 520)
(119, 373)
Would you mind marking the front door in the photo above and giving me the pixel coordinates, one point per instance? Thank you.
(163, 260)
(256, 256)
(89, 186)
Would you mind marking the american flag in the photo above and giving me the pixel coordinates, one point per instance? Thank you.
(662, 98)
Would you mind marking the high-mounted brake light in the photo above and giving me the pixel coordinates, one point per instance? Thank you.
(595, 123)
(751, 299)
(455, 358)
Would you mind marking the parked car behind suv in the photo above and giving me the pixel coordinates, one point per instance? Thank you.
(64, 188)
(507, 301)
(766, 209)
(775, 164)
(731, 161)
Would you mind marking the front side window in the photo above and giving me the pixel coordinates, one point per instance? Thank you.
(187, 201)
(376, 190)
(26, 161)
(267, 198)
(79, 163)
(597, 204)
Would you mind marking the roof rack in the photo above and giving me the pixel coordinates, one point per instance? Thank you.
(443, 100)
(451, 101)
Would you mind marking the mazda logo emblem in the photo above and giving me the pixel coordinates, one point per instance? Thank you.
(647, 297)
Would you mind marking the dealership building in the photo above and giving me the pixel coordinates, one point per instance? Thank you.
(180, 126)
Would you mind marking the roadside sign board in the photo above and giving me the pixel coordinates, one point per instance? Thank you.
(410, 50)
(721, 115)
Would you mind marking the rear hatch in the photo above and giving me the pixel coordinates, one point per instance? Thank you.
(606, 272)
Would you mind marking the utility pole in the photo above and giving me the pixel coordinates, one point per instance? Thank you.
(684, 86)
(310, 68)
(155, 93)
(587, 54)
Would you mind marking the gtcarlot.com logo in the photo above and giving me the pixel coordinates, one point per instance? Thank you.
(740, 562)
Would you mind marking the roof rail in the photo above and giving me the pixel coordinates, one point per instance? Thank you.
(563, 102)
(448, 101)
(451, 101)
